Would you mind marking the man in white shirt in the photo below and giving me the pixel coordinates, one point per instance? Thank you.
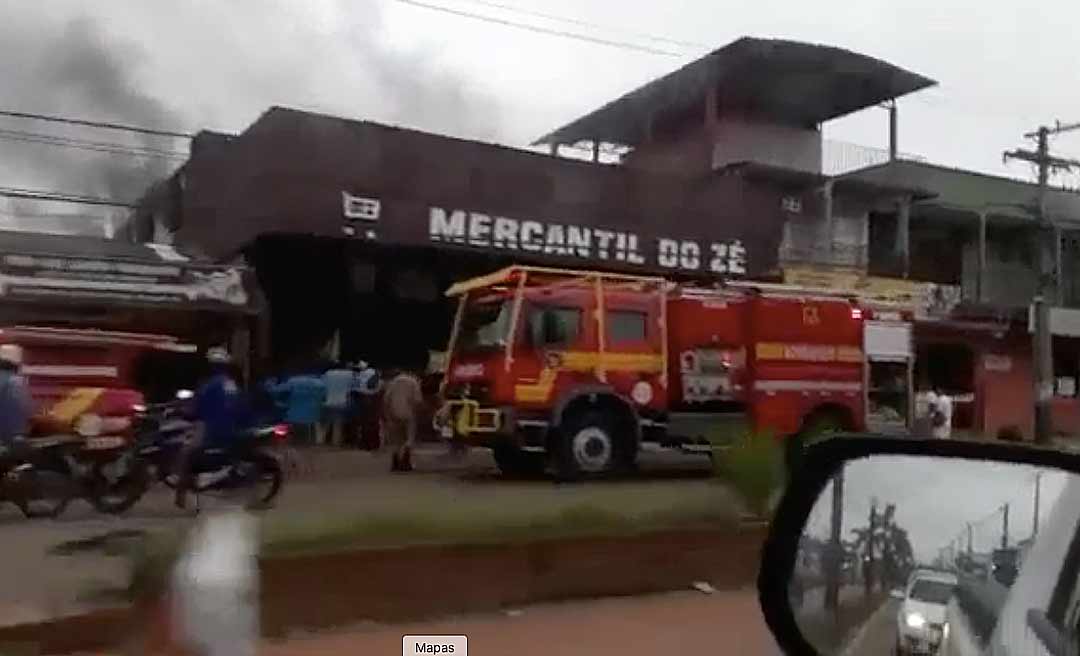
(939, 408)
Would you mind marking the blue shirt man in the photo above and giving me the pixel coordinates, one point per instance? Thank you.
(303, 397)
(218, 405)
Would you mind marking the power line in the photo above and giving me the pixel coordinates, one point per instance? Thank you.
(96, 124)
(584, 23)
(93, 146)
(61, 197)
(625, 45)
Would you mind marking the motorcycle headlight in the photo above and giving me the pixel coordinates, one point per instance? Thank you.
(915, 621)
(89, 425)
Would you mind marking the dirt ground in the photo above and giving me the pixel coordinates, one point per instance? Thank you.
(726, 622)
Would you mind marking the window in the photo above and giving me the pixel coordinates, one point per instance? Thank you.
(554, 326)
(625, 326)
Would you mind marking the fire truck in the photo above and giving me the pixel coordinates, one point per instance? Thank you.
(583, 370)
(87, 383)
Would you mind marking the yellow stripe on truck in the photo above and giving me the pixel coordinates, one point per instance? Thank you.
(808, 352)
(76, 403)
(587, 360)
(540, 391)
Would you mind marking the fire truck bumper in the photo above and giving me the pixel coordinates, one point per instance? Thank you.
(468, 421)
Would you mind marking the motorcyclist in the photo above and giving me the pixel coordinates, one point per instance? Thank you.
(217, 410)
(16, 407)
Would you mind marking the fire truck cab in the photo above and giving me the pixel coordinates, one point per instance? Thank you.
(583, 369)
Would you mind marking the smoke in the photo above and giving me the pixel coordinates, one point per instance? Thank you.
(203, 64)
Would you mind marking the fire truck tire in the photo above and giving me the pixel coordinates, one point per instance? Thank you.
(587, 446)
(512, 461)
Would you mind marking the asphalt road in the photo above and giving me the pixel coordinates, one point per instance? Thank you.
(877, 635)
(40, 583)
(726, 622)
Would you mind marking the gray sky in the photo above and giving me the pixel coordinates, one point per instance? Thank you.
(936, 497)
(1003, 68)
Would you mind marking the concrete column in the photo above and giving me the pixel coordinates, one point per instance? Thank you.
(893, 131)
(903, 235)
(553, 149)
(980, 276)
(1059, 277)
(595, 151)
(827, 208)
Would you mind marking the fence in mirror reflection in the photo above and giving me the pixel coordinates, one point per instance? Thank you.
(918, 554)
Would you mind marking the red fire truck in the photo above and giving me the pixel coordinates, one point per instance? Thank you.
(87, 382)
(581, 369)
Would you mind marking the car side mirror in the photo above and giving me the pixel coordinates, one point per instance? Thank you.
(874, 520)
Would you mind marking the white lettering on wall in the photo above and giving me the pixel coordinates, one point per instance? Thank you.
(443, 227)
(633, 255)
(579, 240)
(532, 236)
(690, 255)
(482, 230)
(719, 261)
(668, 253)
(736, 258)
(603, 242)
(555, 240)
(479, 229)
(506, 233)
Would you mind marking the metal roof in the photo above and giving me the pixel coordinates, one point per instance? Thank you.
(787, 81)
(972, 192)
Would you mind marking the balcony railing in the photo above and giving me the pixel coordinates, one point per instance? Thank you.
(839, 157)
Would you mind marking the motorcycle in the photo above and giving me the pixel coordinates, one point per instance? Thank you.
(41, 484)
(161, 433)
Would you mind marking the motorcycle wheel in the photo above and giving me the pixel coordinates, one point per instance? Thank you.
(116, 497)
(44, 492)
(267, 475)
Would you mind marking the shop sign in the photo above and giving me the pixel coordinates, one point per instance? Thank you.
(501, 233)
(63, 278)
(997, 363)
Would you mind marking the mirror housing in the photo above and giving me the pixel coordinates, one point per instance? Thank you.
(820, 463)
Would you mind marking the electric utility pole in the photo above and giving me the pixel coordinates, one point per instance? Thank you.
(1048, 275)
(836, 546)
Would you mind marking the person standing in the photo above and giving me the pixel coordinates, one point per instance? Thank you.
(303, 396)
(366, 385)
(338, 381)
(402, 401)
(939, 410)
(16, 406)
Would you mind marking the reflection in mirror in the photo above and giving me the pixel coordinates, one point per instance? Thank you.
(917, 554)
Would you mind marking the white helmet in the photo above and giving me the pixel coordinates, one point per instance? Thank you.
(12, 353)
(218, 355)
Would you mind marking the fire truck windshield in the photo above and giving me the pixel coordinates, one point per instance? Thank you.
(485, 326)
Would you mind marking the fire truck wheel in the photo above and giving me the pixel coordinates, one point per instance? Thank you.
(587, 446)
(512, 461)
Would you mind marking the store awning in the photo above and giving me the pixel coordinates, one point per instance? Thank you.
(65, 270)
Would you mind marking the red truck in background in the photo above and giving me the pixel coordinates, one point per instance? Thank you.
(582, 368)
(86, 382)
